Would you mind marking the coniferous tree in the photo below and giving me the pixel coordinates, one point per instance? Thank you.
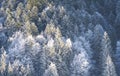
(107, 63)
(51, 71)
(3, 62)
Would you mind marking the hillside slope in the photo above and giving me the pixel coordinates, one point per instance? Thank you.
(59, 37)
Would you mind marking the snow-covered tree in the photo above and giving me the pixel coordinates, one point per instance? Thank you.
(58, 37)
(107, 62)
(3, 57)
(81, 63)
(9, 69)
(51, 71)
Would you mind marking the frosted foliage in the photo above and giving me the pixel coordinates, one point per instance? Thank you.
(89, 34)
(51, 71)
(40, 39)
(109, 67)
(62, 10)
(1, 26)
(117, 56)
(31, 45)
(59, 37)
(50, 43)
(99, 30)
(82, 59)
(81, 65)
(68, 43)
(82, 45)
(3, 60)
(25, 48)
(18, 44)
(17, 49)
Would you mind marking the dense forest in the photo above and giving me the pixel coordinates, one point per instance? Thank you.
(59, 37)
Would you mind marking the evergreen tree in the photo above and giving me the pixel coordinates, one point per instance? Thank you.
(51, 71)
(10, 69)
(107, 63)
(3, 62)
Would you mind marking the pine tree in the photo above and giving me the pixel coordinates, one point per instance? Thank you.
(96, 46)
(19, 10)
(118, 7)
(10, 69)
(106, 54)
(82, 54)
(3, 62)
(38, 3)
(51, 71)
(117, 20)
(117, 25)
